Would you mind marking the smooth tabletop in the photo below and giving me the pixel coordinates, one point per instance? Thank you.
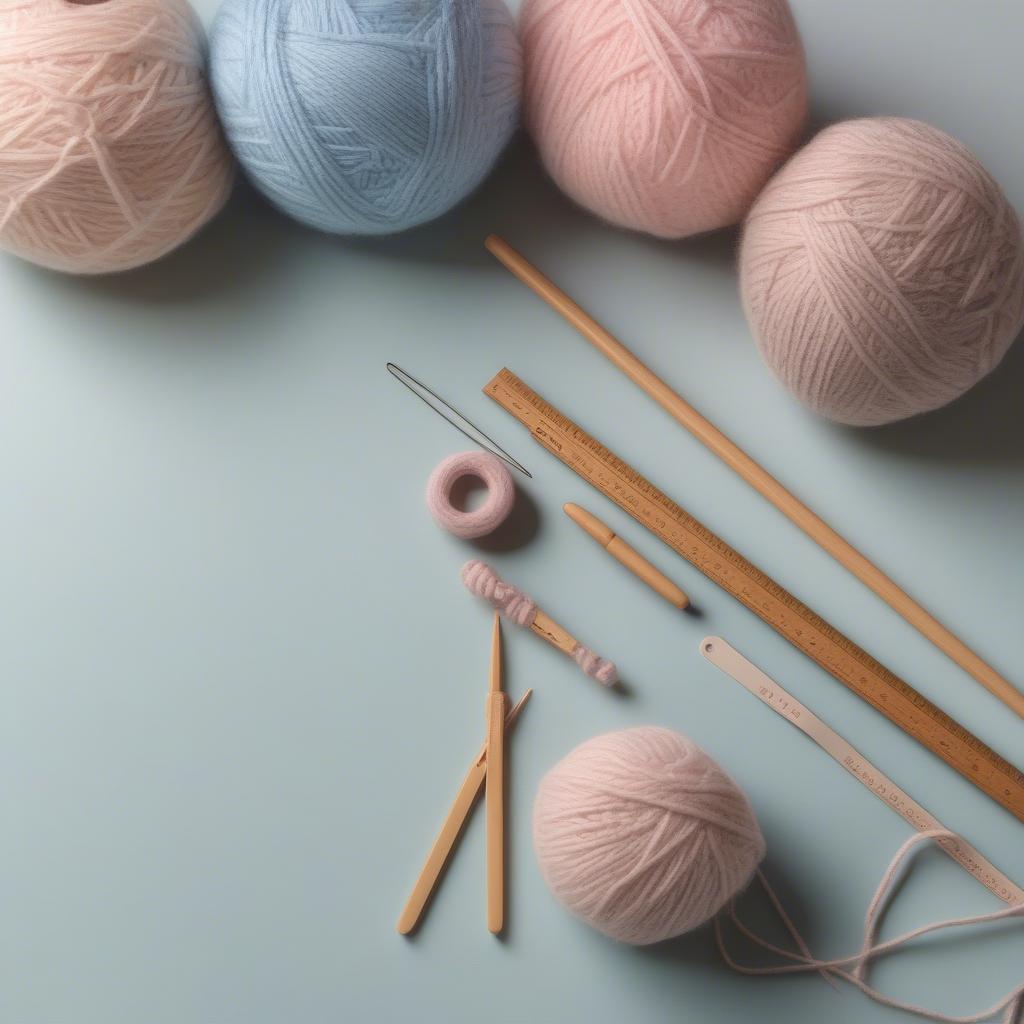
(242, 680)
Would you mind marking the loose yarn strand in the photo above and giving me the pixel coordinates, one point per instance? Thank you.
(854, 968)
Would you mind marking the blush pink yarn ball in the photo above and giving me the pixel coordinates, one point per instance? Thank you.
(666, 116)
(643, 836)
(110, 150)
(882, 271)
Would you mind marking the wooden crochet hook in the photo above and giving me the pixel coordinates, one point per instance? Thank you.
(758, 478)
(446, 839)
(497, 708)
(627, 556)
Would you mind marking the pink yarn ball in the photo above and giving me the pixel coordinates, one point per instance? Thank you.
(667, 116)
(111, 154)
(643, 836)
(478, 522)
(882, 271)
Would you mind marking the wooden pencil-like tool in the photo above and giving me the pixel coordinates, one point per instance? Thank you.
(627, 555)
(495, 793)
(791, 618)
(458, 814)
(755, 475)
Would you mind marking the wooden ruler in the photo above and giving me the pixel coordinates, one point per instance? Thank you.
(852, 666)
(750, 677)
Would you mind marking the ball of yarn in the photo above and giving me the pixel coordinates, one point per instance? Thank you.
(110, 151)
(366, 116)
(643, 836)
(882, 271)
(478, 522)
(666, 116)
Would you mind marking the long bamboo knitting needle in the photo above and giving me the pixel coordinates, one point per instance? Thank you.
(758, 478)
(457, 816)
(495, 792)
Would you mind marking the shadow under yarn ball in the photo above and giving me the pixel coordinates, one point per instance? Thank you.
(882, 271)
(111, 154)
(366, 116)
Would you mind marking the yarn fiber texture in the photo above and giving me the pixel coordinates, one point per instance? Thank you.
(882, 271)
(366, 116)
(643, 836)
(478, 522)
(110, 151)
(666, 116)
(481, 580)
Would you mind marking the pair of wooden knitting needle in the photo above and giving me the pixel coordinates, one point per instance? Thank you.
(487, 772)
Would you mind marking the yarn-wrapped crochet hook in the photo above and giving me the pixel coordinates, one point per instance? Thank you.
(480, 579)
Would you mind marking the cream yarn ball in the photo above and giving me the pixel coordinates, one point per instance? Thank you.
(643, 836)
(882, 271)
(665, 116)
(110, 150)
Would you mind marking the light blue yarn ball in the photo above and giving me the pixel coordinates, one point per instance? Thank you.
(366, 116)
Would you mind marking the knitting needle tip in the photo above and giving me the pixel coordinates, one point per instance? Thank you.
(496, 655)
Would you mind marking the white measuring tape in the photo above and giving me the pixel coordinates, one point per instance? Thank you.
(749, 676)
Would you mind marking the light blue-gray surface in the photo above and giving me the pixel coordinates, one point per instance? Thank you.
(241, 679)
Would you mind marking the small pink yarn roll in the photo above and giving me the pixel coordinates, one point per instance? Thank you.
(479, 522)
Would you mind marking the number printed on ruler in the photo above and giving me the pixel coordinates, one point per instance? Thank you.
(865, 773)
(833, 651)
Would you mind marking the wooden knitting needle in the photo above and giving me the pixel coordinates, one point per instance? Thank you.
(628, 556)
(458, 814)
(758, 478)
(496, 710)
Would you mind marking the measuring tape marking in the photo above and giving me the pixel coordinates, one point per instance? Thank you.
(726, 658)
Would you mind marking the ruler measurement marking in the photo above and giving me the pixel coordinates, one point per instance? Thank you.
(781, 610)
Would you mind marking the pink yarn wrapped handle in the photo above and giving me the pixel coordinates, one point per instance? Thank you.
(479, 522)
(480, 579)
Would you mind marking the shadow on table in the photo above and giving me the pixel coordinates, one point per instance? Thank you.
(234, 255)
(755, 910)
(250, 242)
(985, 426)
(520, 201)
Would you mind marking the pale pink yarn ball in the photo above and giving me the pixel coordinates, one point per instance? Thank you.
(882, 271)
(666, 116)
(110, 150)
(643, 836)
